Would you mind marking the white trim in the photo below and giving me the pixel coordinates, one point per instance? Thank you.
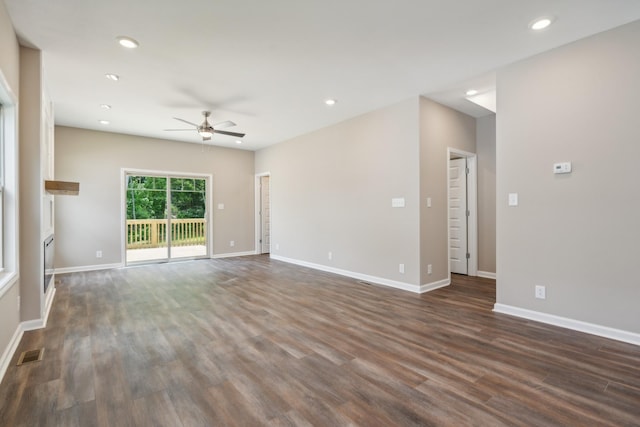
(365, 277)
(123, 219)
(10, 241)
(97, 267)
(472, 206)
(564, 322)
(5, 360)
(82, 268)
(257, 203)
(486, 274)
(234, 254)
(48, 304)
(7, 280)
(427, 287)
(31, 325)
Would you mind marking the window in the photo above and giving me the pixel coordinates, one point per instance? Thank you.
(1, 188)
(8, 186)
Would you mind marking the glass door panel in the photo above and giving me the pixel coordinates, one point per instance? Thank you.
(146, 221)
(188, 217)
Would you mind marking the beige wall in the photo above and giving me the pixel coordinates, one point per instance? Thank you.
(486, 151)
(92, 220)
(331, 191)
(576, 234)
(9, 50)
(31, 263)
(440, 128)
(10, 70)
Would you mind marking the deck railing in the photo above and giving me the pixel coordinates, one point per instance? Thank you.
(152, 233)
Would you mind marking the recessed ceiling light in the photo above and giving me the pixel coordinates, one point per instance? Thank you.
(472, 92)
(238, 141)
(104, 122)
(330, 102)
(127, 42)
(540, 23)
(113, 77)
(105, 106)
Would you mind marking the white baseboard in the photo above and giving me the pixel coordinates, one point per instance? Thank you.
(121, 265)
(29, 325)
(234, 254)
(564, 322)
(8, 353)
(88, 268)
(427, 287)
(23, 327)
(487, 275)
(48, 303)
(32, 325)
(364, 277)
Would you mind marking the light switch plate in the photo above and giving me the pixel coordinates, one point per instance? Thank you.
(563, 167)
(513, 199)
(220, 206)
(397, 202)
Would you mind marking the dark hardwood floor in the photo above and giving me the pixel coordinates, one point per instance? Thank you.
(250, 341)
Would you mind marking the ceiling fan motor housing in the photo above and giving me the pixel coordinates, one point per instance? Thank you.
(205, 129)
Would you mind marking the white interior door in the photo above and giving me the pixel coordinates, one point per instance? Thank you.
(458, 215)
(265, 215)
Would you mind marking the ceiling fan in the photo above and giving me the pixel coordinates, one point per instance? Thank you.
(206, 130)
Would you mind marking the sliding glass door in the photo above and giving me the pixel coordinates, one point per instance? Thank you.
(188, 220)
(166, 218)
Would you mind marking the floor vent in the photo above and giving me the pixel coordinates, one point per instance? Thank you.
(31, 356)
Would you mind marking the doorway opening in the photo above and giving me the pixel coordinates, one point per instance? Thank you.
(165, 217)
(463, 212)
(263, 213)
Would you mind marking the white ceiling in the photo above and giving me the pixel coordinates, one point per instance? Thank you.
(269, 65)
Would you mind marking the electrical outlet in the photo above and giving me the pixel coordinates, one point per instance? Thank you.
(98, 254)
(232, 243)
(541, 292)
(401, 268)
(277, 246)
(429, 269)
(330, 256)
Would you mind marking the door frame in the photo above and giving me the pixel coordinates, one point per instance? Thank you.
(169, 174)
(472, 206)
(258, 222)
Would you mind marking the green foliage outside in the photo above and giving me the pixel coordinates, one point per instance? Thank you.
(147, 197)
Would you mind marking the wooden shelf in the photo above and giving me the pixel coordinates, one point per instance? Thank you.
(62, 188)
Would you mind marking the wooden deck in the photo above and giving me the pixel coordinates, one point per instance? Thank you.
(250, 341)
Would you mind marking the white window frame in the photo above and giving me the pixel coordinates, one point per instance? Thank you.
(2, 168)
(9, 238)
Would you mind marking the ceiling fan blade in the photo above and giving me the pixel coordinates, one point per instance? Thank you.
(184, 121)
(223, 132)
(224, 125)
(174, 130)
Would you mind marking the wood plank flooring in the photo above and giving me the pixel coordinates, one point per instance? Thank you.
(250, 341)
